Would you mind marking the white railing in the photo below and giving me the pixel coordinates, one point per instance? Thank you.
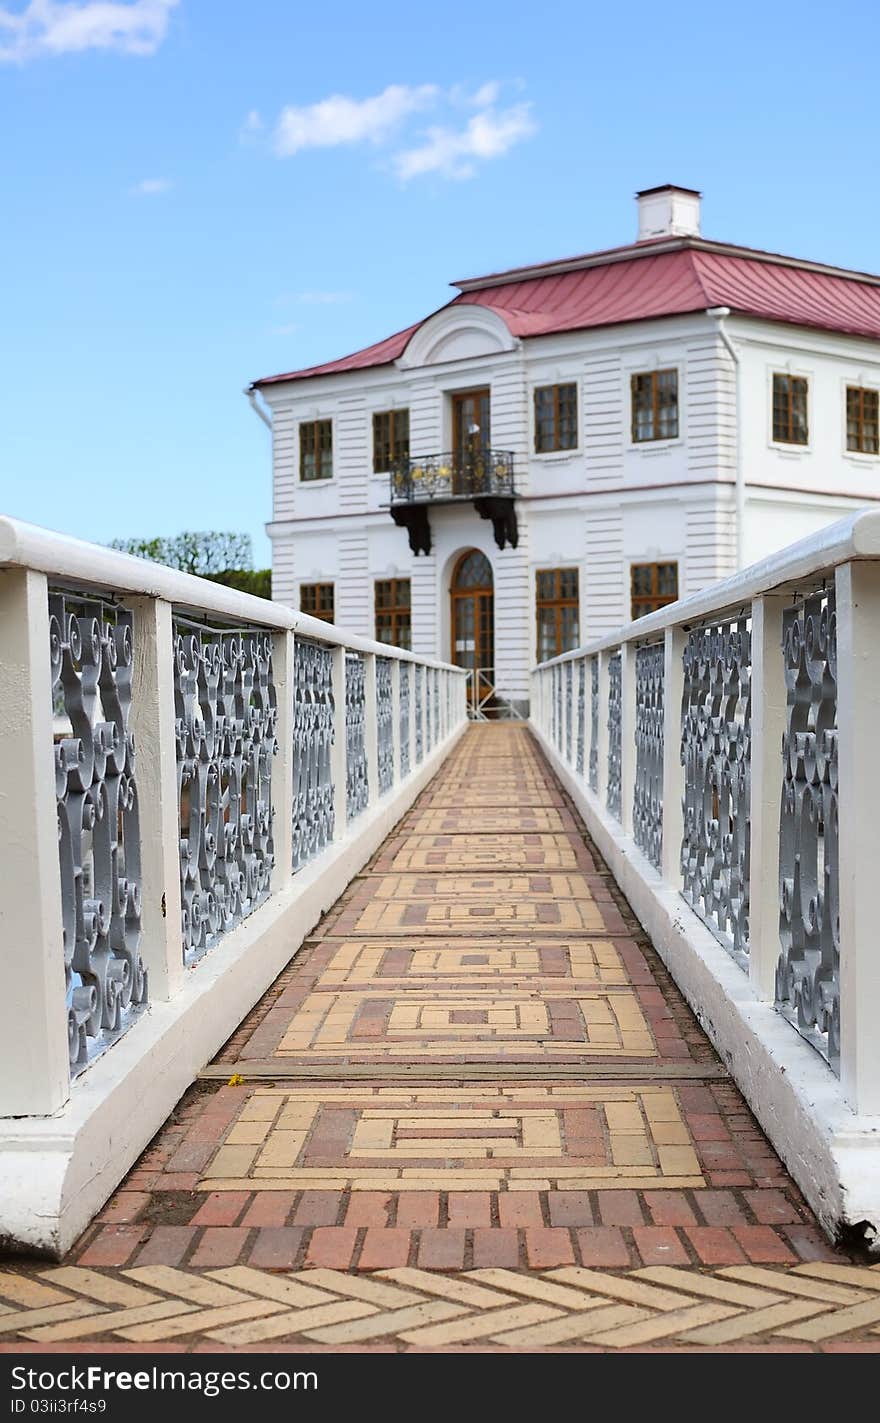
(722, 752)
(189, 775)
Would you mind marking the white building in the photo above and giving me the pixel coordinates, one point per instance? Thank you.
(574, 443)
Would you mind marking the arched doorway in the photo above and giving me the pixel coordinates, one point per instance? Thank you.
(473, 623)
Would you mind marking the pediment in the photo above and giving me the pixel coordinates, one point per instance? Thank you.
(458, 333)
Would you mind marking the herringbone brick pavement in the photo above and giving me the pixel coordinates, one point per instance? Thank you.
(473, 1112)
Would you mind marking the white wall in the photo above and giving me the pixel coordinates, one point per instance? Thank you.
(830, 363)
(601, 507)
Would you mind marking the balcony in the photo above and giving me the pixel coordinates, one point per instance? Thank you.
(483, 476)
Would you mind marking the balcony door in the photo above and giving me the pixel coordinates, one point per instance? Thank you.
(473, 622)
(470, 435)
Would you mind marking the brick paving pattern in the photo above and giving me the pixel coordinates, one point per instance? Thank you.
(475, 1112)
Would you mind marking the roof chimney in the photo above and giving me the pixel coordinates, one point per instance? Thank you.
(668, 211)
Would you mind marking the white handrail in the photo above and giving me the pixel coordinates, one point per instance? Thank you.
(88, 565)
(850, 539)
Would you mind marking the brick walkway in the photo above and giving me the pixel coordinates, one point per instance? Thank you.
(475, 1112)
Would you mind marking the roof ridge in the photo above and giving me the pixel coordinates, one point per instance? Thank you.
(658, 247)
(693, 254)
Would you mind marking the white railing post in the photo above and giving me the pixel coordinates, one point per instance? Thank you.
(858, 717)
(371, 728)
(153, 718)
(338, 751)
(395, 719)
(35, 1076)
(767, 729)
(627, 734)
(675, 641)
(602, 729)
(283, 667)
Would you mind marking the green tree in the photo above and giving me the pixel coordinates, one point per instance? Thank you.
(223, 556)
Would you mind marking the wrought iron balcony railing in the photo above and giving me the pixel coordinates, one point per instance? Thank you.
(437, 479)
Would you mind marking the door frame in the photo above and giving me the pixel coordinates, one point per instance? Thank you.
(466, 457)
(479, 594)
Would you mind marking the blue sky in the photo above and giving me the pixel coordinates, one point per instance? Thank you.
(196, 193)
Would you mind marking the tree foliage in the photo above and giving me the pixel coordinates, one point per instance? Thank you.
(223, 557)
(204, 552)
(248, 580)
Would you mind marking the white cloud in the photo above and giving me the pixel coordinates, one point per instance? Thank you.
(463, 98)
(340, 119)
(445, 148)
(149, 187)
(487, 94)
(52, 27)
(287, 330)
(456, 153)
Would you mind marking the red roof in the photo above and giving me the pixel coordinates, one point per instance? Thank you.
(666, 277)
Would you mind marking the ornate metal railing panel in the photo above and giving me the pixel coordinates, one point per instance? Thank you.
(225, 722)
(428, 710)
(419, 703)
(451, 475)
(594, 724)
(91, 654)
(613, 794)
(357, 792)
(569, 710)
(313, 703)
(808, 972)
(556, 675)
(716, 721)
(384, 723)
(436, 697)
(405, 670)
(648, 791)
(581, 714)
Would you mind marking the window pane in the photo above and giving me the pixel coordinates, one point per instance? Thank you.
(643, 579)
(556, 611)
(317, 600)
(475, 571)
(316, 449)
(643, 408)
(546, 634)
(544, 419)
(381, 449)
(862, 423)
(790, 425)
(653, 586)
(667, 579)
(568, 619)
(392, 597)
(555, 417)
(655, 405)
(546, 586)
